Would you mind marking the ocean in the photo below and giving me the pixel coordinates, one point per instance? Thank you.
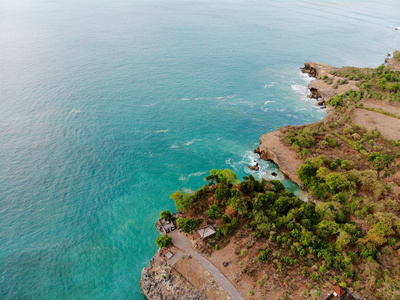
(108, 107)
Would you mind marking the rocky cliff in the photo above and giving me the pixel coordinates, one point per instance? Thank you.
(161, 282)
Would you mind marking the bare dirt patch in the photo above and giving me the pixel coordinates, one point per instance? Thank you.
(393, 108)
(201, 279)
(388, 126)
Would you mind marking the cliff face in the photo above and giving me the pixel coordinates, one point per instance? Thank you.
(160, 282)
(271, 148)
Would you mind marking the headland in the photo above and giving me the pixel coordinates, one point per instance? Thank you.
(266, 242)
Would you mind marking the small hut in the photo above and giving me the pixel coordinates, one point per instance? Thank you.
(204, 232)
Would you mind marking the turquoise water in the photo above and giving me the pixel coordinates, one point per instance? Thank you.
(107, 107)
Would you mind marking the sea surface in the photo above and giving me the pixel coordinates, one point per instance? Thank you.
(108, 107)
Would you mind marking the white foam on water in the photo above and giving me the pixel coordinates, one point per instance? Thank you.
(185, 99)
(265, 107)
(73, 112)
(174, 146)
(148, 105)
(265, 168)
(196, 174)
(160, 131)
(182, 178)
(187, 190)
(270, 85)
(269, 101)
(305, 76)
(250, 103)
(191, 142)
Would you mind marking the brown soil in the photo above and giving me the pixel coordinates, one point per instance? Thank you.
(200, 278)
(388, 126)
(393, 108)
(262, 278)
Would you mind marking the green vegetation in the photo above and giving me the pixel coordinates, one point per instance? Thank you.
(164, 241)
(348, 231)
(396, 56)
(189, 225)
(166, 214)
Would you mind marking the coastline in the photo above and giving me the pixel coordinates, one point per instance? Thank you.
(274, 147)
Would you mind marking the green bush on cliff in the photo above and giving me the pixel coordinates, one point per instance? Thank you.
(166, 214)
(189, 225)
(214, 212)
(224, 176)
(164, 241)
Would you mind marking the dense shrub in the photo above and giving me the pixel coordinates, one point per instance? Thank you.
(164, 241)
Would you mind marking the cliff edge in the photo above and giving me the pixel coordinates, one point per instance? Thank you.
(272, 147)
(161, 282)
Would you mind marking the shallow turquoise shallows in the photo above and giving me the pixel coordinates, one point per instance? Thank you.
(108, 107)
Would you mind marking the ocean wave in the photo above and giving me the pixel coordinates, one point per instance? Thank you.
(185, 99)
(73, 112)
(174, 146)
(269, 101)
(264, 106)
(270, 85)
(265, 168)
(250, 103)
(305, 76)
(196, 174)
(160, 131)
(191, 142)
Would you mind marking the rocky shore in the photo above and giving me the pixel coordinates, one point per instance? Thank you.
(273, 148)
(161, 282)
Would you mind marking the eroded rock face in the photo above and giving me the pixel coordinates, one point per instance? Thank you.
(320, 89)
(160, 282)
(271, 148)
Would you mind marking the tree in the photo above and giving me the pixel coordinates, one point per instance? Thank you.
(225, 176)
(214, 212)
(183, 202)
(336, 182)
(189, 225)
(379, 232)
(166, 214)
(307, 174)
(164, 241)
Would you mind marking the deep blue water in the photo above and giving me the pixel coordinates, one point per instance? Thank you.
(107, 107)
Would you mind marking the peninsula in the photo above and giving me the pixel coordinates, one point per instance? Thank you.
(253, 239)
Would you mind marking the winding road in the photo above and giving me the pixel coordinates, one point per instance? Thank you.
(182, 243)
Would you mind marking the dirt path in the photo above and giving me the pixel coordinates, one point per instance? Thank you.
(181, 242)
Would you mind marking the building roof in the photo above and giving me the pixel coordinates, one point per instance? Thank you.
(339, 291)
(206, 231)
